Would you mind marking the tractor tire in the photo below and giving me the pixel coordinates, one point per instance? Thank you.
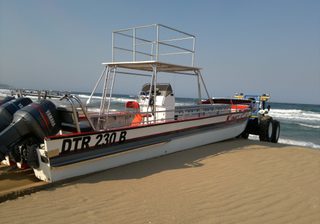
(275, 131)
(265, 129)
(245, 135)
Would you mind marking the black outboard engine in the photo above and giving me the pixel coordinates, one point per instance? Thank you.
(29, 127)
(9, 108)
(6, 99)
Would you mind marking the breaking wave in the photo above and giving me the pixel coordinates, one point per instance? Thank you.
(309, 125)
(5, 92)
(299, 143)
(295, 115)
(290, 142)
(115, 98)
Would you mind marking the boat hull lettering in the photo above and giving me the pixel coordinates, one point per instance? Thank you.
(85, 142)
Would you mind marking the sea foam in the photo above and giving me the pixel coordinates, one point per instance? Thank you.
(290, 142)
(295, 115)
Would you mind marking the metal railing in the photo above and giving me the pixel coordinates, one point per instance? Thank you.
(152, 42)
(180, 113)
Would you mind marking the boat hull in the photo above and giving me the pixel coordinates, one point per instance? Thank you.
(162, 143)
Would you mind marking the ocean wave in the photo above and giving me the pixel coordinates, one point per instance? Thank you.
(83, 96)
(5, 92)
(290, 142)
(184, 104)
(114, 99)
(309, 125)
(97, 110)
(295, 115)
(299, 143)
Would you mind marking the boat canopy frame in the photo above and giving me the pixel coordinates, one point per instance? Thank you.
(154, 42)
(148, 68)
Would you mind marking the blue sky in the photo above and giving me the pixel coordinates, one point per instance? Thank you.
(243, 46)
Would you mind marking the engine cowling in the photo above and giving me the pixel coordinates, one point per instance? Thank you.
(6, 99)
(10, 107)
(29, 127)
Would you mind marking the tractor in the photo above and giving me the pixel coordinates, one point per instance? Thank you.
(260, 122)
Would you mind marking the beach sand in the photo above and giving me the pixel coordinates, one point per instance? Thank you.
(237, 181)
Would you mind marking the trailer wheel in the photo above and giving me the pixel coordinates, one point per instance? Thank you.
(245, 135)
(266, 127)
(275, 131)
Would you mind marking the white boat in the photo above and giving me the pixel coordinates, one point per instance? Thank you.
(88, 140)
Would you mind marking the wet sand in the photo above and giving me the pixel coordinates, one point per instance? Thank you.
(237, 181)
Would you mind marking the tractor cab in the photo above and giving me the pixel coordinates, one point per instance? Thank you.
(259, 103)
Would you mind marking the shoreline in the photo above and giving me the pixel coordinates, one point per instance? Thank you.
(237, 180)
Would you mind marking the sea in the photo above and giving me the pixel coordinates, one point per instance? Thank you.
(300, 123)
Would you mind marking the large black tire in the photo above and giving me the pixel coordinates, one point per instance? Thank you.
(275, 131)
(245, 135)
(265, 129)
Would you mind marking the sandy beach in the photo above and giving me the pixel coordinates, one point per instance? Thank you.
(237, 181)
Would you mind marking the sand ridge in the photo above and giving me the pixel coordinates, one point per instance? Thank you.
(237, 181)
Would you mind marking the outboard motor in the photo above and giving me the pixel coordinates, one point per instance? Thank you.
(8, 109)
(6, 99)
(29, 127)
